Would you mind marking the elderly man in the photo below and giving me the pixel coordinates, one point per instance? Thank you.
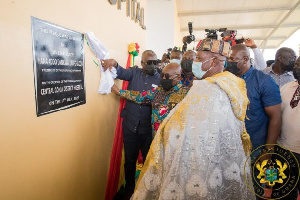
(197, 152)
(281, 70)
(163, 99)
(203, 65)
(137, 132)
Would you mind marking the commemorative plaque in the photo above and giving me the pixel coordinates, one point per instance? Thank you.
(58, 62)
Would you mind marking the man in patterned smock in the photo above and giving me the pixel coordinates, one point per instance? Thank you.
(163, 99)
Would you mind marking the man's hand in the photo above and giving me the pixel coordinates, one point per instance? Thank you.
(165, 58)
(250, 43)
(109, 63)
(184, 40)
(264, 156)
(115, 89)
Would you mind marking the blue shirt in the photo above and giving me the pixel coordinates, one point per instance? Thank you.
(262, 91)
(135, 114)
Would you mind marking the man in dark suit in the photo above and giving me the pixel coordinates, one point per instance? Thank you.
(137, 132)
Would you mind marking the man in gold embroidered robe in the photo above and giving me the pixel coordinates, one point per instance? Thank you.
(199, 151)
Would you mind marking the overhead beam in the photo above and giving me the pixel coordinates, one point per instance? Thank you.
(279, 25)
(271, 47)
(260, 38)
(221, 12)
(267, 47)
(245, 27)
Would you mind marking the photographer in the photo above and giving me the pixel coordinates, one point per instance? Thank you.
(189, 38)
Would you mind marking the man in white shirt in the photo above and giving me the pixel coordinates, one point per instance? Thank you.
(259, 61)
(290, 129)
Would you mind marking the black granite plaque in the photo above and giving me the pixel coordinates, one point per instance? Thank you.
(58, 60)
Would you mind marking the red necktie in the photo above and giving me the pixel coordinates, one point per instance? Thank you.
(296, 98)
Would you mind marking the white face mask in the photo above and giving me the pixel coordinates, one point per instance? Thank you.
(175, 61)
(197, 69)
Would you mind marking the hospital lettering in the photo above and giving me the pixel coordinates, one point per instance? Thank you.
(133, 10)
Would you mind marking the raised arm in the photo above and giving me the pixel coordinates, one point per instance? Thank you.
(135, 96)
(260, 62)
(123, 74)
(259, 59)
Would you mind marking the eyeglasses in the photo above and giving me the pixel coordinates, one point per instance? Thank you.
(167, 76)
(154, 62)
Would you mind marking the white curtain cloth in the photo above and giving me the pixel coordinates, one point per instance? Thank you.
(107, 77)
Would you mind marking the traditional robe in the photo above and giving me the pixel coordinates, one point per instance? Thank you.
(198, 151)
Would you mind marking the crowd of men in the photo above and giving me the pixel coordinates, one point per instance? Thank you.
(158, 86)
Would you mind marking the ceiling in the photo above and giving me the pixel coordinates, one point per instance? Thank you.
(268, 22)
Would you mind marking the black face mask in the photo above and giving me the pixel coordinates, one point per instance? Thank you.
(166, 84)
(186, 65)
(296, 73)
(232, 67)
(290, 66)
(150, 69)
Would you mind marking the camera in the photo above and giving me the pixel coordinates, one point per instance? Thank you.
(229, 36)
(169, 50)
(190, 38)
(212, 33)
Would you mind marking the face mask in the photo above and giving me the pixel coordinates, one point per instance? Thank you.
(166, 84)
(197, 69)
(296, 73)
(175, 61)
(290, 66)
(186, 65)
(232, 67)
(150, 69)
(165, 64)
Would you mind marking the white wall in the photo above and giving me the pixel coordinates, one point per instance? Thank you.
(63, 155)
(177, 28)
(163, 28)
